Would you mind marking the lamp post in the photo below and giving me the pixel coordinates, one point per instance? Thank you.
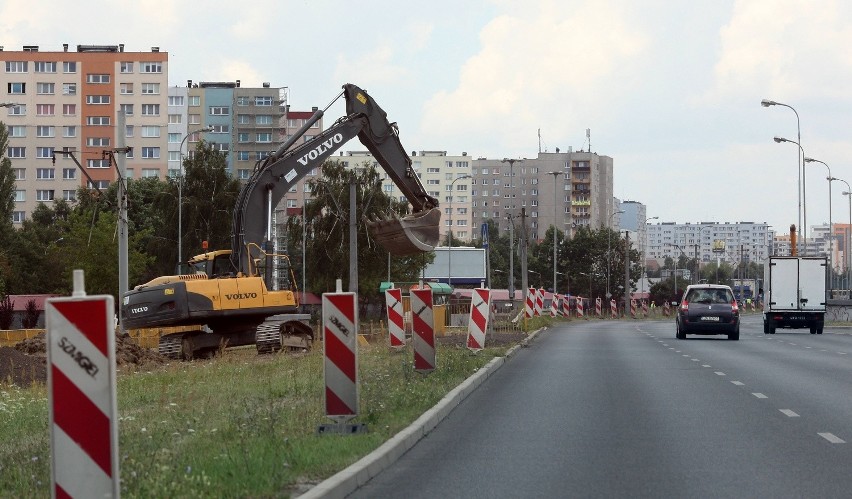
(830, 228)
(555, 214)
(804, 228)
(608, 249)
(450, 234)
(800, 165)
(180, 195)
(512, 228)
(848, 233)
(537, 273)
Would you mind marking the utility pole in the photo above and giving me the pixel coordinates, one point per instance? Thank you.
(627, 271)
(122, 211)
(523, 255)
(353, 237)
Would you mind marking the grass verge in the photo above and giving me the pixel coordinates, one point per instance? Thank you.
(236, 426)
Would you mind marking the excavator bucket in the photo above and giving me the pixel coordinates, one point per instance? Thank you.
(409, 235)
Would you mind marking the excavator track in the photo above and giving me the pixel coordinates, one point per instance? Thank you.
(277, 334)
(268, 338)
(171, 346)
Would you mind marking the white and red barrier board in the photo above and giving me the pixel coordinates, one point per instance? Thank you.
(529, 309)
(598, 307)
(539, 302)
(554, 305)
(340, 354)
(566, 305)
(396, 322)
(480, 304)
(423, 330)
(81, 396)
(580, 306)
(613, 309)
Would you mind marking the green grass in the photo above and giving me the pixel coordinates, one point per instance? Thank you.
(237, 426)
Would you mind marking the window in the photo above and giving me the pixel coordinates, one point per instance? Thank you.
(44, 195)
(243, 119)
(20, 173)
(242, 100)
(97, 163)
(263, 119)
(69, 89)
(175, 119)
(242, 156)
(20, 195)
(150, 67)
(433, 182)
(127, 109)
(45, 67)
(103, 184)
(174, 156)
(150, 109)
(16, 152)
(150, 131)
(151, 152)
(433, 170)
(69, 131)
(69, 173)
(97, 120)
(150, 173)
(126, 88)
(221, 146)
(69, 195)
(17, 88)
(150, 88)
(44, 153)
(264, 138)
(388, 187)
(17, 217)
(69, 67)
(242, 138)
(263, 100)
(45, 109)
(97, 99)
(176, 100)
(174, 138)
(194, 100)
(194, 119)
(45, 131)
(294, 123)
(19, 110)
(69, 109)
(17, 131)
(128, 130)
(221, 129)
(16, 66)
(243, 174)
(97, 78)
(45, 173)
(220, 110)
(463, 164)
(261, 155)
(97, 142)
(126, 67)
(45, 88)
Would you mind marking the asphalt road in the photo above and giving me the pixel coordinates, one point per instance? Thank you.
(623, 409)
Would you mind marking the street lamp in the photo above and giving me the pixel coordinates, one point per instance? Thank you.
(830, 228)
(555, 214)
(537, 273)
(450, 235)
(512, 228)
(800, 166)
(848, 233)
(804, 227)
(180, 194)
(608, 249)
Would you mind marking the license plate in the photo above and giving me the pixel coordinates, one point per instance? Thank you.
(710, 318)
(797, 318)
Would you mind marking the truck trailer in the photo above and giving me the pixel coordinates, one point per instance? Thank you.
(795, 293)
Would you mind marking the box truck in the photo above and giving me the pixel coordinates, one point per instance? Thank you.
(794, 293)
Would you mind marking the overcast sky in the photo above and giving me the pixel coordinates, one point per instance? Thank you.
(670, 89)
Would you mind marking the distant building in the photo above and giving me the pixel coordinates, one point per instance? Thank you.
(707, 241)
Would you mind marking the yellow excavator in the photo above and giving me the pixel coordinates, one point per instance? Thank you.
(225, 300)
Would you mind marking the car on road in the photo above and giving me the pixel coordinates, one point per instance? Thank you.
(708, 309)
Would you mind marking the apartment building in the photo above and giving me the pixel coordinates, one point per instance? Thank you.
(69, 101)
(634, 218)
(729, 242)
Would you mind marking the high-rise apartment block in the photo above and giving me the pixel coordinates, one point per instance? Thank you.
(709, 241)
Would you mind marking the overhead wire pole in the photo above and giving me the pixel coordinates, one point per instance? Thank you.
(804, 229)
(511, 283)
(848, 239)
(830, 228)
(555, 215)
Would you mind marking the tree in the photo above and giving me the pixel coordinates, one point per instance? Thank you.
(327, 241)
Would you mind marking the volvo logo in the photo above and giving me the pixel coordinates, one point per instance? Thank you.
(320, 149)
(138, 310)
(241, 296)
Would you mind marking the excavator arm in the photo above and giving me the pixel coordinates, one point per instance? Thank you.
(280, 171)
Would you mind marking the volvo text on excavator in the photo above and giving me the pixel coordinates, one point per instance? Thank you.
(225, 300)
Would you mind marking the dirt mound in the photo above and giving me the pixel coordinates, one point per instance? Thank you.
(21, 369)
(126, 351)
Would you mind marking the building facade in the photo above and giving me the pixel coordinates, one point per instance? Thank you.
(709, 241)
(68, 101)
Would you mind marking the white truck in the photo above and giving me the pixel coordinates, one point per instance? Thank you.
(794, 293)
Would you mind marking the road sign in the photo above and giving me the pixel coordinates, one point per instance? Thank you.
(423, 330)
(485, 236)
(340, 354)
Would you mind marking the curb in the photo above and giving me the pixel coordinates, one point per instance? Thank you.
(346, 481)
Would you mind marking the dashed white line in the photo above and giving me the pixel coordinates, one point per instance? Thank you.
(685, 355)
(831, 437)
(738, 383)
(705, 365)
(842, 353)
(760, 395)
(789, 413)
(694, 360)
(720, 373)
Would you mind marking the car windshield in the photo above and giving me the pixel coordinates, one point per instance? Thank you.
(709, 296)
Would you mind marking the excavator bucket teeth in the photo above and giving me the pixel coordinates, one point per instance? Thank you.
(409, 235)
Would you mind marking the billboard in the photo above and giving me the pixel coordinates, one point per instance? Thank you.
(468, 265)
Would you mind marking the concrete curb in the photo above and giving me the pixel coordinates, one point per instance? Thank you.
(360, 472)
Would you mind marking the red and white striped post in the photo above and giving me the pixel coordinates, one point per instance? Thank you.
(480, 305)
(613, 309)
(580, 311)
(633, 308)
(539, 302)
(598, 307)
(529, 306)
(566, 305)
(81, 394)
(340, 353)
(396, 322)
(423, 330)
(644, 308)
(554, 305)
(666, 308)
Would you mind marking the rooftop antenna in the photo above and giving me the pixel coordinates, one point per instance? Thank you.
(539, 140)
(589, 138)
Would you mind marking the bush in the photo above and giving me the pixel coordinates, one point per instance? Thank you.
(31, 315)
(6, 313)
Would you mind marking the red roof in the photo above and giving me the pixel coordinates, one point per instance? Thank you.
(19, 302)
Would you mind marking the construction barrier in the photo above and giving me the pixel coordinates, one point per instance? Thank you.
(554, 305)
(340, 355)
(633, 308)
(423, 330)
(579, 307)
(480, 306)
(644, 308)
(529, 308)
(81, 384)
(396, 322)
(613, 309)
(539, 302)
(566, 305)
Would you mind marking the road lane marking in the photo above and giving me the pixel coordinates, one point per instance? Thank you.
(720, 373)
(831, 437)
(694, 360)
(705, 365)
(738, 383)
(789, 413)
(685, 355)
(760, 395)
(808, 347)
(842, 353)
(793, 344)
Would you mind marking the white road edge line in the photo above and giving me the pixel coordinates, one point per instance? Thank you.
(831, 437)
(789, 413)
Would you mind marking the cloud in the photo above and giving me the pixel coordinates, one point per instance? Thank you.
(544, 68)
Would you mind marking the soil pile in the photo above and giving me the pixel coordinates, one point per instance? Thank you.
(21, 369)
